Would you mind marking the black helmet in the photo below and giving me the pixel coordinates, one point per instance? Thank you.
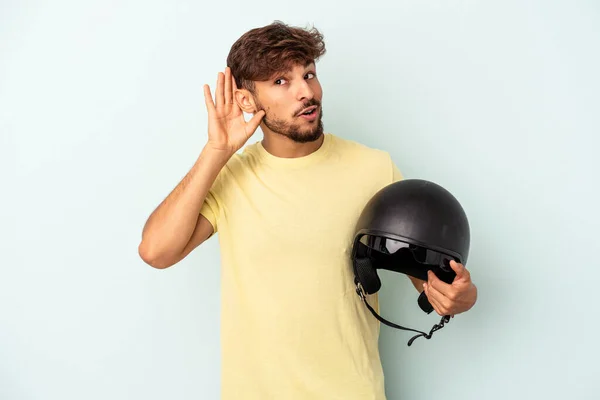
(410, 226)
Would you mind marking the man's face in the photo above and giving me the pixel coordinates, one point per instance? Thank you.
(292, 103)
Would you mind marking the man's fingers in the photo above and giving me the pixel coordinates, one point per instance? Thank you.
(234, 88)
(252, 125)
(219, 96)
(432, 299)
(228, 92)
(434, 296)
(208, 100)
(436, 307)
(461, 271)
(439, 285)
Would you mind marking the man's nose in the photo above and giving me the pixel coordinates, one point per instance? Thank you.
(304, 91)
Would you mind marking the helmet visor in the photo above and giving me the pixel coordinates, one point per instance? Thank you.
(399, 256)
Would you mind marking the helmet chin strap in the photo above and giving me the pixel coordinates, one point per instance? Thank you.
(445, 319)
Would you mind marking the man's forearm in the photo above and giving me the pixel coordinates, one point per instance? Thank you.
(417, 283)
(170, 227)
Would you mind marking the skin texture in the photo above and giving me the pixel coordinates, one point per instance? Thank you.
(282, 98)
(451, 299)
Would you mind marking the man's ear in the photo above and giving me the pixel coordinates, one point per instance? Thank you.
(245, 101)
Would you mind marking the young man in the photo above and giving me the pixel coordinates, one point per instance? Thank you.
(285, 209)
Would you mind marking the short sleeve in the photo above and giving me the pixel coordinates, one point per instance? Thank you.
(210, 209)
(213, 203)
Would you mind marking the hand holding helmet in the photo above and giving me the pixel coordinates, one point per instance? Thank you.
(451, 298)
(417, 228)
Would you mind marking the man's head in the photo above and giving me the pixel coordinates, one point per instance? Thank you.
(274, 69)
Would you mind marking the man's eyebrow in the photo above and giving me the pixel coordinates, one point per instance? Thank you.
(278, 74)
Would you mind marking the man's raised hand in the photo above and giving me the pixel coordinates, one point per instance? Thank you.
(228, 131)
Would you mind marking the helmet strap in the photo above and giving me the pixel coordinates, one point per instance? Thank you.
(445, 319)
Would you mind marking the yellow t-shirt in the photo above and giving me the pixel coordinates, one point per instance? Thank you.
(292, 325)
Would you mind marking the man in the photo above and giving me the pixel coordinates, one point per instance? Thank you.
(285, 208)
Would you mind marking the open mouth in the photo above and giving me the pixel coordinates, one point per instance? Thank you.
(309, 112)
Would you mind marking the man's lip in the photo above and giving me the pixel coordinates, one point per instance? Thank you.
(307, 109)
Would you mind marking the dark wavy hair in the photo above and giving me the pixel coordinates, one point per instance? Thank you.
(261, 53)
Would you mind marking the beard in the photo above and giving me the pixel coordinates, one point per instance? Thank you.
(298, 132)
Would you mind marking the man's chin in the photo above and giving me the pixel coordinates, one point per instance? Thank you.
(305, 137)
(295, 132)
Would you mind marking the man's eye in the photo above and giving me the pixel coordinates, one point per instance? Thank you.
(279, 81)
(310, 75)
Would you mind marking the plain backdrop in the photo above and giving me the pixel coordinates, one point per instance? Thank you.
(102, 113)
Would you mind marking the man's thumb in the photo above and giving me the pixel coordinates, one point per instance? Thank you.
(254, 122)
(461, 271)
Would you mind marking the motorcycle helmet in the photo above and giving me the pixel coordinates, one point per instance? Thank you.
(410, 226)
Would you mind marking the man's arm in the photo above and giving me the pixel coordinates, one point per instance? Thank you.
(176, 227)
(417, 283)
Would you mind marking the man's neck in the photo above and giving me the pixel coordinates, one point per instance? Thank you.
(282, 146)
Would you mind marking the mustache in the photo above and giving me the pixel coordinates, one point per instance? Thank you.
(309, 103)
